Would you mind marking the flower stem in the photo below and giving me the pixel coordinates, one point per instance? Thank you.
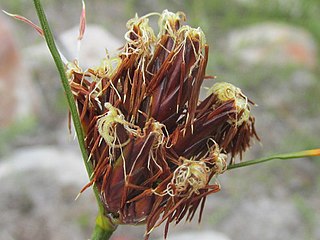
(104, 227)
(283, 156)
(61, 69)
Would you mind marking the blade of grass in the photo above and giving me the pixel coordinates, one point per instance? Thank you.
(25, 20)
(283, 156)
(105, 228)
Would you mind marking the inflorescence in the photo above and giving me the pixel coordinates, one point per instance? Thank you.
(155, 147)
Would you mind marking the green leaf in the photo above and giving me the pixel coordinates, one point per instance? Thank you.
(283, 156)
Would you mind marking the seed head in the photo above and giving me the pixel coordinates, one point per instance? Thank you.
(155, 148)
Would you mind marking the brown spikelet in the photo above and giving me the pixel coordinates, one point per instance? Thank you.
(153, 145)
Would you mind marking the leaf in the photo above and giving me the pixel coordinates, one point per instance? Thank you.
(27, 21)
(82, 25)
(283, 156)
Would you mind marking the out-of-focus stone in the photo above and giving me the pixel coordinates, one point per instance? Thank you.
(18, 94)
(93, 49)
(38, 189)
(203, 235)
(264, 218)
(273, 44)
(93, 46)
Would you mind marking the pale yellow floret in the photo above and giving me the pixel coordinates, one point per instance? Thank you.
(72, 67)
(189, 178)
(144, 41)
(108, 67)
(192, 33)
(218, 159)
(226, 91)
(107, 126)
(166, 21)
(188, 33)
(193, 175)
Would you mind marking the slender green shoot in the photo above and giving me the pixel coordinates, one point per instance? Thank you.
(104, 227)
(283, 156)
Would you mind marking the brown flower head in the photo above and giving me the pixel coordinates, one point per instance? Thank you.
(156, 149)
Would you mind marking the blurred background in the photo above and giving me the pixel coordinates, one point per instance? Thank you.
(269, 50)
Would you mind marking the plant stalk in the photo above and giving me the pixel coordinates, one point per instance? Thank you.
(104, 227)
(283, 156)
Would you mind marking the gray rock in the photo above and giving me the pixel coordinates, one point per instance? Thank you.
(39, 62)
(93, 47)
(92, 50)
(39, 187)
(264, 218)
(203, 235)
(273, 44)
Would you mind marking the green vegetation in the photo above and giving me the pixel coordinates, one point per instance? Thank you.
(10, 134)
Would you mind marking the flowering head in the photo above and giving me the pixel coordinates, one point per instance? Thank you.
(154, 146)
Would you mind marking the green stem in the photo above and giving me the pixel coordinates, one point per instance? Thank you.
(105, 228)
(283, 156)
(61, 69)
